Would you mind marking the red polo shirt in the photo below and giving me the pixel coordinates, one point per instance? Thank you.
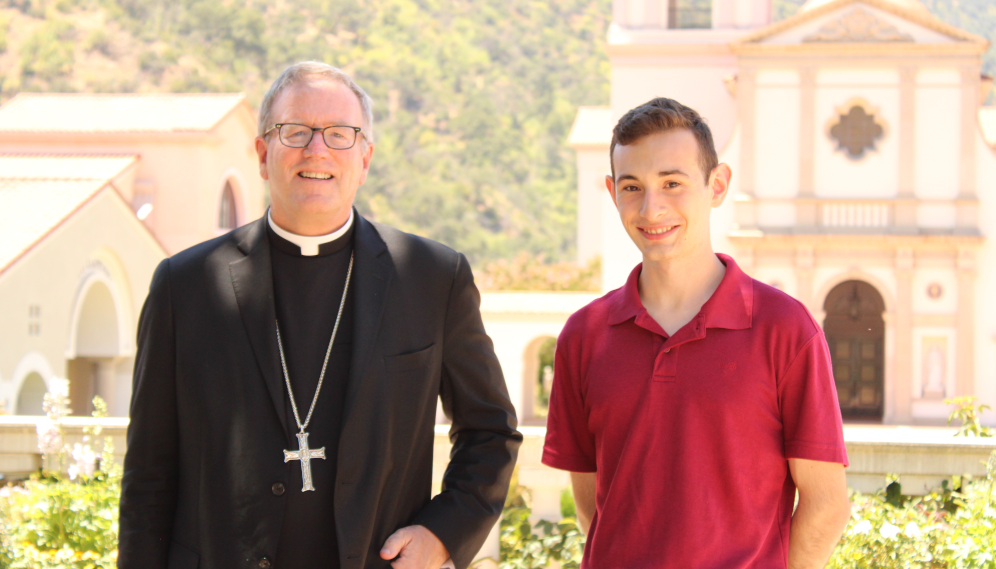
(689, 434)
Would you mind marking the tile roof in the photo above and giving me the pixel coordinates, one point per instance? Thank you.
(53, 167)
(116, 113)
(39, 193)
(592, 127)
(987, 121)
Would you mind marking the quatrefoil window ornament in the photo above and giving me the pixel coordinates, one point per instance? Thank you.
(856, 130)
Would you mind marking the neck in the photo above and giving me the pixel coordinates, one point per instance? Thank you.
(674, 290)
(309, 244)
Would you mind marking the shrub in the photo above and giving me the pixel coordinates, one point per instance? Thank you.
(521, 548)
(525, 272)
(52, 521)
(952, 528)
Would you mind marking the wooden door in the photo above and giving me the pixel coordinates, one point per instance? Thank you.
(855, 334)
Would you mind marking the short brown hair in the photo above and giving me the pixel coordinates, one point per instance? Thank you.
(661, 115)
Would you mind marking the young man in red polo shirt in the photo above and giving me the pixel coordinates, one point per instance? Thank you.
(692, 403)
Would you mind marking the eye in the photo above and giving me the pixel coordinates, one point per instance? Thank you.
(671, 185)
(631, 188)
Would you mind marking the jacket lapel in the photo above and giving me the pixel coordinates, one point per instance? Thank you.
(371, 280)
(252, 278)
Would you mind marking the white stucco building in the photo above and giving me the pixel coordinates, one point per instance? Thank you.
(863, 183)
(95, 190)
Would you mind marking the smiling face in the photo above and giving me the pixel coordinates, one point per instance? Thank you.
(312, 188)
(663, 197)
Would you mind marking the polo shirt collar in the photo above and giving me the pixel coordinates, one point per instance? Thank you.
(729, 307)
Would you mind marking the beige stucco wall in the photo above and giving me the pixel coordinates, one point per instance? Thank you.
(101, 242)
(185, 173)
(985, 323)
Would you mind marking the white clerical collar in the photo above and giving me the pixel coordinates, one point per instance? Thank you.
(309, 245)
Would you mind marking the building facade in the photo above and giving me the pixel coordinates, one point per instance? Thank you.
(95, 190)
(863, 183)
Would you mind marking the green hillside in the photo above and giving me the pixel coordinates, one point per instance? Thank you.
(474, 98)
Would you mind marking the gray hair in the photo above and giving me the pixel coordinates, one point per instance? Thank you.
(303, 70)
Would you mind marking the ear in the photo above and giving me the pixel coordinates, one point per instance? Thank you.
(261, 150)
(367, 155)
(610, 185)
(719, 184)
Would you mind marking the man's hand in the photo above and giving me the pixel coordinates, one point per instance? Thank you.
(415, 548)
(822, 512)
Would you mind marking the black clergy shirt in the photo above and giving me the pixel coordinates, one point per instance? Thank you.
(307, 293)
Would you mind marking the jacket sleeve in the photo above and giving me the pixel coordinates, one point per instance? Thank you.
(483, 433)
(149, 484)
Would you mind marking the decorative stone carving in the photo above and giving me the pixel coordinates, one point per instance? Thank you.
(856, 129)
(934, 367)
(858, 26)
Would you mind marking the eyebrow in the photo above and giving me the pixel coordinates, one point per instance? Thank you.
(661, 174)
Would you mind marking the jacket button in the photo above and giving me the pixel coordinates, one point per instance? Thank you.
(264, 563)
(278, 490)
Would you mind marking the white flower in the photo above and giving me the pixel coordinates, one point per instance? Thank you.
(84, 461)
(889, 531)
(912, 531)
(49, 438)
(56, 401)
(862, 527)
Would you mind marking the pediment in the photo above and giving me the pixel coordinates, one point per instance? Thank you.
(863, 24)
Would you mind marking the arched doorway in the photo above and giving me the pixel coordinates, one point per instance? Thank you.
(855, 332)
(537, 379)
(228, 217)
(32, 395)
(92, 371)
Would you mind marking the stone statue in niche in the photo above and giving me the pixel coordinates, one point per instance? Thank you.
(934, 368)
(856, 131)
(858, 26)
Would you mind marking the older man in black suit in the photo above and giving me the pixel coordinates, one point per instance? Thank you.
(287, 376)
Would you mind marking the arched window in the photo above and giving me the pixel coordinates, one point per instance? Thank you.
(228, 217)
(32, 395)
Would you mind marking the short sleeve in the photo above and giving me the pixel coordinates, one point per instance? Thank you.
(811, 418)
(569, 443)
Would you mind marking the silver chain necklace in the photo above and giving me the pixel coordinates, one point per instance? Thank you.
(304, 453)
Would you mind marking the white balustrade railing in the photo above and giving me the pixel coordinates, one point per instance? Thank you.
(854, 214)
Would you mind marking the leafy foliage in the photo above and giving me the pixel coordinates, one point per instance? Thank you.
(953, 529)
(473, 98)
(561, 542)
(970, 416)
(526, 272)
(54, 522)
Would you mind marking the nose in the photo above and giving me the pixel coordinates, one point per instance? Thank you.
(654, 204)
(317, 144)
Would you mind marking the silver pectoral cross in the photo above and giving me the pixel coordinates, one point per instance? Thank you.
(304, 454)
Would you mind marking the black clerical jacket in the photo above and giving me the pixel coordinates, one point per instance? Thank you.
(204, 473)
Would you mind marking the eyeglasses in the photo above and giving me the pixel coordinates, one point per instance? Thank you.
(299, 135)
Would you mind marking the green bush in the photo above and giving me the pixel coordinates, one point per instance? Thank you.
(521, 548)
(51, 522)
(951, 528)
